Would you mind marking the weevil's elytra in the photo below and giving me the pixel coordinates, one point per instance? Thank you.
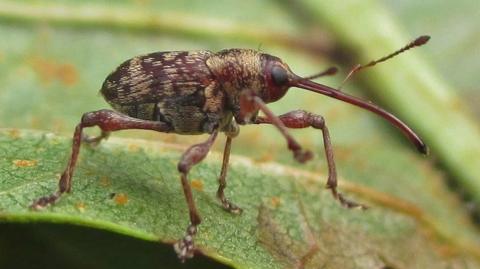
(198, 92)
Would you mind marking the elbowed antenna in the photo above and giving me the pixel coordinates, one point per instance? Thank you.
(419, 41)
(325, 90)
(328, 72)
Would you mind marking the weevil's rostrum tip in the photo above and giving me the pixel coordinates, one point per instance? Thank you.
(424, 149)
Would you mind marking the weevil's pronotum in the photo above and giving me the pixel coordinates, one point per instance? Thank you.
(200, 92)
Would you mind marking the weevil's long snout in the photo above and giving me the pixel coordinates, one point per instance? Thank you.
(325, 90)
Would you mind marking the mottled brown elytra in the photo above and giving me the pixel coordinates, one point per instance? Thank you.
(198, 92)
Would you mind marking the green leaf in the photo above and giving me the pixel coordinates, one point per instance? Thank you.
(132, 187)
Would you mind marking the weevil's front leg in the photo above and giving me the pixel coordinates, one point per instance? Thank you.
(95, 140)
(304, 119)
(251, 100)
(195, 154)
(108, 121)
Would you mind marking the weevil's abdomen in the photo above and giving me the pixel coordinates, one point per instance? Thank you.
(174, 87)
(152, 77)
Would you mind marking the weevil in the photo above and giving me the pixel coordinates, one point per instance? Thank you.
(200, 92)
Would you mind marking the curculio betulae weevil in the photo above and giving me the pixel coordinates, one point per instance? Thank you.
(200, 92)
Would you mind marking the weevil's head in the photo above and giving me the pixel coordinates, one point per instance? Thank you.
(244, 69)
(277, 78)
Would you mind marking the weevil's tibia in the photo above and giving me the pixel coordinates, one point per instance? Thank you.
(303, 119)
(185, 247)
(108, 121)
(419, 41)
(222, 180)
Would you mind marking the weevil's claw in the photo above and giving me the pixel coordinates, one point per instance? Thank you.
(302, 156)
(185, 247)
(231, 208)
(92, 141)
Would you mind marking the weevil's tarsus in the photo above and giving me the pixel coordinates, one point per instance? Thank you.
(304, 119)
(325, 90)
(44, 201)
(95, 140)
(185, 247)
(108, 121)
(346, 202)
(419, 41)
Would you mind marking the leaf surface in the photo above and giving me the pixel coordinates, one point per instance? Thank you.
(57, 54)
(131, 187)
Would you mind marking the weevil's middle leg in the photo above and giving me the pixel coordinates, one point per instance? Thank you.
(222, 180)
(195, 154)
(108, 121)
(304, 119)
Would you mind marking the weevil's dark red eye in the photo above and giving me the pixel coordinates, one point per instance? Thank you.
(279, 76)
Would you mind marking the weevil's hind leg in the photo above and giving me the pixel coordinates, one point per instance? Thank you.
(193, 155)
(222, 180)
(108, 121)
(304, 119)
(95, 140)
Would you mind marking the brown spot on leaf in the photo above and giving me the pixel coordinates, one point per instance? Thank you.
(80, 206)
(24, 163)
(121, 198)
(68, 74)
(14, 133)
(275, 201)
(50, 70)
(197, 184)
(133, 147)
(265, 157)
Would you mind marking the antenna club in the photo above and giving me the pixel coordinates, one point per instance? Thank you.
(331, 71)
(421, 40)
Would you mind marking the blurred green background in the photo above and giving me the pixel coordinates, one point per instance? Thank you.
(54, 56)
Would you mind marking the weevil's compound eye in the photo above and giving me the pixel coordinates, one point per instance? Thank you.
(279, 76)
